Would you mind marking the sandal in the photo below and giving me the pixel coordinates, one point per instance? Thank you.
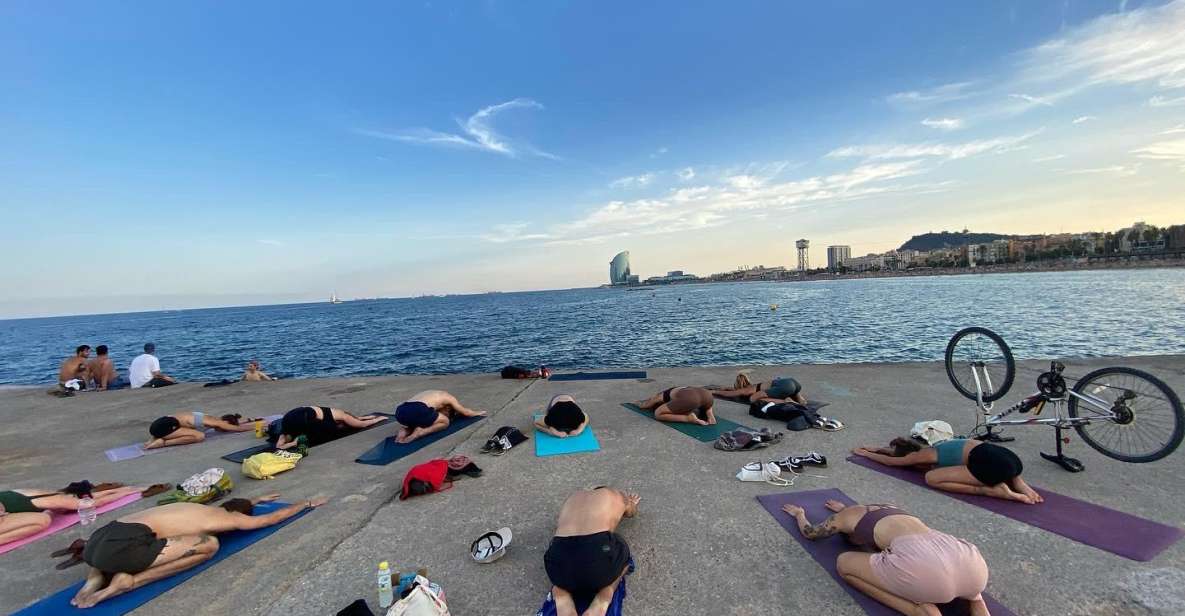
(829, 425)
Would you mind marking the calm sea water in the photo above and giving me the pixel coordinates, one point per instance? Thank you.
(1073, 314)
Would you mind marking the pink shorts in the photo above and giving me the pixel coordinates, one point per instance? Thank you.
(931, 567)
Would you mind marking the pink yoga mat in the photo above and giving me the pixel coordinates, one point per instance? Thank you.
(61, 521)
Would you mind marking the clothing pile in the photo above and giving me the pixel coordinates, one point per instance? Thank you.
(798, 417)
(436, 476)
(744, 439)
(504, 439)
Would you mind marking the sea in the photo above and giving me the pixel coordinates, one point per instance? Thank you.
(1041, 315)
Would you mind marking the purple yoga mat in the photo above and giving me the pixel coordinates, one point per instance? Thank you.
(826, 551)
(1106, 529)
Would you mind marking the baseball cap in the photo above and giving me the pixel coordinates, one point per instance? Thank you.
(491, 546)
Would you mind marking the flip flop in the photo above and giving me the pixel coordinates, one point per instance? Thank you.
(156, 488)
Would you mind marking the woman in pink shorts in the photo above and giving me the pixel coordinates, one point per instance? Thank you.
(914, 568)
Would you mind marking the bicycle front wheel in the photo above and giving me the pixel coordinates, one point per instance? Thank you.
(1139, 418)
(978, 349)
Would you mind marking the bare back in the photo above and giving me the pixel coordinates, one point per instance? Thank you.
(73, 368)
(591, 511)
(440, 400)
(177, 519)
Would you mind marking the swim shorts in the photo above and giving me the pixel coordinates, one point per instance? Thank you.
(120, 547)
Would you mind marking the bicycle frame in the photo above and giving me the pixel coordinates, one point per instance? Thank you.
(1099, 408)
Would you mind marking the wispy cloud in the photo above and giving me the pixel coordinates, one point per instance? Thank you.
(477, 132)
(1164, 101)
(633, 181)
(686, 174)
(1034, 100)
(659, 152)
(940, 94)
(1180, 128)
(1052, 157)
(1171, 150)
(943, 123)
(1116, 170)
(512, 232)
(949, 151)
(1083, 119)
(270, 242)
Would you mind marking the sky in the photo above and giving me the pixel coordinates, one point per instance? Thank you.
(170, 155)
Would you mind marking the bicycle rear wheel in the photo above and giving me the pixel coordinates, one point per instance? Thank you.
(1148, 422)
(978, 347)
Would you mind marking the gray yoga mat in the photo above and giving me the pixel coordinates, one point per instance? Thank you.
(136, 450)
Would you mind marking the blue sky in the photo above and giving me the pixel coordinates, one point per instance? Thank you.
(218, 153)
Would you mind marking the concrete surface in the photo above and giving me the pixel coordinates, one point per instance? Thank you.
(702, 543)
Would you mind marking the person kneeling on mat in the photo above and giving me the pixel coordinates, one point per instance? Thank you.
(914, 568)
(186, 428)
(318, 424)
(586, 557)
(158, 542)
(781, 389)
(427, 412)
(682, 405)
(965, 466)
(564, 418)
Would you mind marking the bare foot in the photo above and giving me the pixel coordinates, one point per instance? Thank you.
(1033, 495)
(120, 583)
(94, 582)
(927, 609)
(598, 607)
(693, 418)
(1006, 493)
(834, 505)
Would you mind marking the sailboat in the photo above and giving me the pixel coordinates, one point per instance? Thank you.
(333, 299)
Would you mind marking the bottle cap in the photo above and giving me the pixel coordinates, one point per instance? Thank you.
(384, 565)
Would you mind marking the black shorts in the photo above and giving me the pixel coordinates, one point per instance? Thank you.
(585, 564)
(564, 416)
(120, 547)
(992, 464)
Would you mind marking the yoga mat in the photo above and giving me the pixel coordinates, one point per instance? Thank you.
(548, 445)
(1109, 530)
(59, 521)
(228, 543)
(238, 456)
(705, 434)
(615, 606)
(826, 551)
(136, 450)
(598, 376)
(388, 451)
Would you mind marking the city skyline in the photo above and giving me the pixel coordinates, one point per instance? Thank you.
(172, 157)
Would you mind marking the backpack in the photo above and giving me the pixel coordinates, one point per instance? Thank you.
(269, 464)
(768, 472)
(503, 440)
(204, 487)
(421, 600)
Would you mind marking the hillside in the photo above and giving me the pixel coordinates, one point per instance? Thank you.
(933, 241)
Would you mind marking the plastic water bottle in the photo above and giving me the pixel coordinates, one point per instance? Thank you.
(386, 597)
(87, 514)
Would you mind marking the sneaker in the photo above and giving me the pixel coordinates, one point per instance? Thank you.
(796, 463)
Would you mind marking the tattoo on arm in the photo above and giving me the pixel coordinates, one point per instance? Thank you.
(822, 530)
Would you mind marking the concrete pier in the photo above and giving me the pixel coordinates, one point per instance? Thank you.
(702, 543)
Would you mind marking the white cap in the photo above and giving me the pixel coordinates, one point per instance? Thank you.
(491, 545)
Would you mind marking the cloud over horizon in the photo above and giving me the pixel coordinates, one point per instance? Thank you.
(478, 132)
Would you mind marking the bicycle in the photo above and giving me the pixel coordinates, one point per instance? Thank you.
(1123, 413)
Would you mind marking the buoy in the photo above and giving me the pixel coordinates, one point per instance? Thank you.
(773, 306)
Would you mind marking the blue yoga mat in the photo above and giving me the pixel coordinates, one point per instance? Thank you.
(388, 451)
(615, 606)
(548, 445)
(228, 543)
(597, 376)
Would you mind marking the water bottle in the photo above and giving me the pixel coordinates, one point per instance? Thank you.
(87, 514)
(386, 597)
(259, 431)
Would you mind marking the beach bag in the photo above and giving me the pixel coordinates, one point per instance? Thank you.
(421, 601)
(204, 487)
(768, 472)
(933, 432)
(269, 464)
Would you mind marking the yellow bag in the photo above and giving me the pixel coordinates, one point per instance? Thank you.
(270, 464)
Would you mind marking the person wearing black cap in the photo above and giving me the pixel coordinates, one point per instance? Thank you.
(185, 428)
(563, 418)
(587, 558)
(427, 412)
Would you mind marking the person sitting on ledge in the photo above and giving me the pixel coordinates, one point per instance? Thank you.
(145, 370)
(185, 428)
(563, 418)
(74, 367)
(319, 424)
(518, 372)
(101, 371)
(965, 466)
(161, 541)
(427, 412)
(587, 558)
(253, 373)
(682, 405)
(914, 568)
(25, 512)
(781, 389)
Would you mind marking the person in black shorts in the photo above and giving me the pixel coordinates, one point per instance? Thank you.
(682, 405)
(563, 418)
(143, 547)
(587, 558)
(965, 466)
(428, 412)
(319, 424)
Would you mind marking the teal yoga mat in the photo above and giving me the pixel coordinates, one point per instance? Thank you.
(388, 451)
(705, 434)
(58, 603)
(548, 445)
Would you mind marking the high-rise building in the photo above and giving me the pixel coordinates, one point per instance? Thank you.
(619, 268)
(803, 247)
(837, 256)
